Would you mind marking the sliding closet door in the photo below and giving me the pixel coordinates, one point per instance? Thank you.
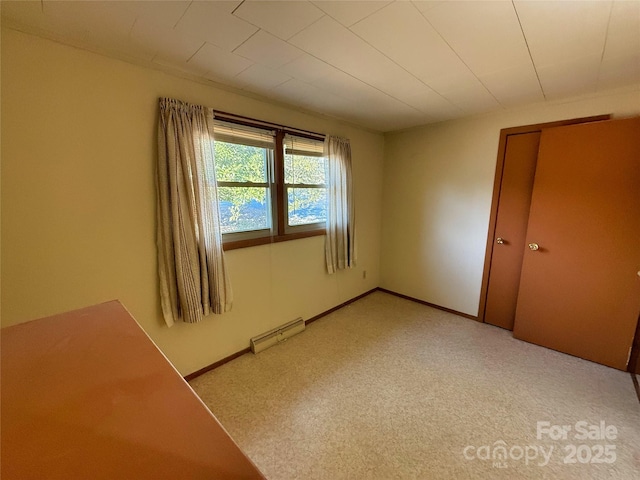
(513, 186)
(521, 153)
(579, 290)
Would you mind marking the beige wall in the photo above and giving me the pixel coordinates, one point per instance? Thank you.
(78, 202)
(438, 183)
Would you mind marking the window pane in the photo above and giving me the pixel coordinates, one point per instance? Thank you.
(303, 169)
(240, 163)
(307, 205)
(243, 208)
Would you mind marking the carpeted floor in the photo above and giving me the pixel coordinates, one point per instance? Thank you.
(386, 388)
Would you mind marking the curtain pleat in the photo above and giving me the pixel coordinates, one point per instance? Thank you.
(193, 278)
(340, 251)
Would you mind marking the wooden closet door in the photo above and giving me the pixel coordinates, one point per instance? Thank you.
(512, 189)
(580, 291)
(521, 153)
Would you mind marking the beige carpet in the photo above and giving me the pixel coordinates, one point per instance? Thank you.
(386, 388)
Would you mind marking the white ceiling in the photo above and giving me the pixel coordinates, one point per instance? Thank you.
(385, 65)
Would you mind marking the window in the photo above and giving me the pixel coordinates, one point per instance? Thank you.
(244, 166)
(304, 183)
(271, 184)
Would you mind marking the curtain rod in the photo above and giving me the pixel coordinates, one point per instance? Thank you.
(250, 121)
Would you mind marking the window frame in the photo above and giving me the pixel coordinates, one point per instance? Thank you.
(280, 230)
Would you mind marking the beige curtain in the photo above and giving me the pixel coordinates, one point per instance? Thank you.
(193, 279)
(340, 252)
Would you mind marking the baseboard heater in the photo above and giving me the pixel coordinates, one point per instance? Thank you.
(277, 335)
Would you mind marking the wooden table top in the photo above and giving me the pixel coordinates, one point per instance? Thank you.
(86, 394)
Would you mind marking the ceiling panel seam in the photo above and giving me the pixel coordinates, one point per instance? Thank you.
(604, 44)
(196, 52)
(363, 18)
(524, 36)
(130, 32)
(183, 14)
(247, 39)
(355, 78)
(339, 69)
(239, 5)
(308, 26)
(398, 65)
(457, 55)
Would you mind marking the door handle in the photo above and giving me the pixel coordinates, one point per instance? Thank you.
(534, 246)
(500, 240)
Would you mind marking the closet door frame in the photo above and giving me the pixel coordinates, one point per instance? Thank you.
(497, 185)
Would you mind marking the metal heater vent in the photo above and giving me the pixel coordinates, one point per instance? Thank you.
(277, 335)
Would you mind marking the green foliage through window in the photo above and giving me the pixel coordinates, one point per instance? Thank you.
(242, 208)
(245, 165)
(240, 163)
